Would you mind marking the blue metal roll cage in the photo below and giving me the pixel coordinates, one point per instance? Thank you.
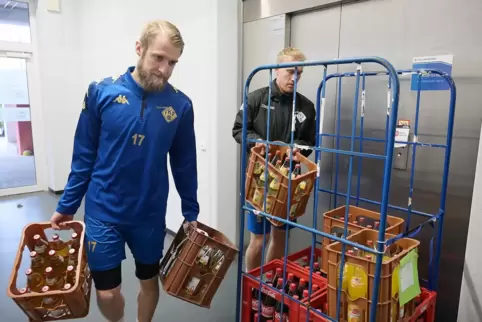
(391, 123)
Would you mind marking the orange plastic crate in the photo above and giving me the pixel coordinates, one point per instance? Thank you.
(385, 300)
(276, 204)
(56, 304)
(333, 220)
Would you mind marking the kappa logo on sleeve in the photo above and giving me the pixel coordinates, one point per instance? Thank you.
(121, 99)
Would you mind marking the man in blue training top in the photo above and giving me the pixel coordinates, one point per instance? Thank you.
(127, 127)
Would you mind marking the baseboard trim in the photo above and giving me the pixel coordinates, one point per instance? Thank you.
(56, 192)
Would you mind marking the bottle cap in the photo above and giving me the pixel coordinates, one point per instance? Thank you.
(45, 289)
(315, 288)
(305, 293)
(351, 252)
(52, 252)
(74, 236)
(280, 281)
(48, 270)
(302, 281)
(28, 272)
(291, 276)
(72, 251)
(70, 268)
(36, 237)
(55, 237)
(369, 257)
(67, 286)
(33, 254)
(370, 243)
(292, 287)
(22, 290)
(279, 271)
(316, 265)
(369, 226)
(269, 276)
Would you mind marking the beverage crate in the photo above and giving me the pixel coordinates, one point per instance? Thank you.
(424, 307)
(318, 304)
(196, 263)
(301, 259)
(333, 224)
(386, 304)
(251, 303)
(278, 182)
(69, 298)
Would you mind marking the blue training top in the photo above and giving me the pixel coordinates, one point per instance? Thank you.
(119, 163)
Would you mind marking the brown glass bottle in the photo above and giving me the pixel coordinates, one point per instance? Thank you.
(60, 246)
(35, 280)
(53, 279)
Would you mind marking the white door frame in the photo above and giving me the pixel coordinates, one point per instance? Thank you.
(28, 52)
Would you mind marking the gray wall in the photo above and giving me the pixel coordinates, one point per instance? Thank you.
(398, 31)
(470, 307)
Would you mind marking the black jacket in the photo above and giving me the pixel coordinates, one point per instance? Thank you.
(280, 118)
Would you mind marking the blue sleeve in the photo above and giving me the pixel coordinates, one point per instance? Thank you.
(184, 165)
(84, 154)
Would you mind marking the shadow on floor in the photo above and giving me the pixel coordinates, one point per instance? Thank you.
(16, 212)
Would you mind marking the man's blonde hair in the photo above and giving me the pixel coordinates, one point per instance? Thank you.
(294, 53)
(153, 28)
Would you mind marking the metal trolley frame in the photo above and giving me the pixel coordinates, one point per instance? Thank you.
(387, 157)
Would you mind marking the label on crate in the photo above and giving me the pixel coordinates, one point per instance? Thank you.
(408, 284)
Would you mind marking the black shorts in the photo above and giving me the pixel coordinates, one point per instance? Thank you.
(112, 278)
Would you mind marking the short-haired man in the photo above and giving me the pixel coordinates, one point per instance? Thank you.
(280, 117)
(127, 127)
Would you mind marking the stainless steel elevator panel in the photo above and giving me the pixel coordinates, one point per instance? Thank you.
(316, 34)
(398, 31)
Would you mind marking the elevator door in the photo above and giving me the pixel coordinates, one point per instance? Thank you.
(316, 34)
(399, 31)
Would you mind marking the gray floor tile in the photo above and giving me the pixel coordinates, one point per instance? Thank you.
(17, 211)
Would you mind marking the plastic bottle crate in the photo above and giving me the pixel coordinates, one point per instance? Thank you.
(305, 254)
(320, 304)
(277, 199)
(294, 307)
(56, 304)
(195, 265)
(333, 223)
(425, 310)
(385, 300)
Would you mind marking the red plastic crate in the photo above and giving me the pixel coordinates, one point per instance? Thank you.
(318, 303)
(294, 307)
(296, 257)
(425, 311)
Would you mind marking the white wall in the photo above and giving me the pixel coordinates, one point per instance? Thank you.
(100, 43)
(470, 305)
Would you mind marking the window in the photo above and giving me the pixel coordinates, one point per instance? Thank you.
(14, 21)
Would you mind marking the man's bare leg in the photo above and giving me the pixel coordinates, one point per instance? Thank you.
(147, 299)
(254, 251)
(111, 304)
(276, 249)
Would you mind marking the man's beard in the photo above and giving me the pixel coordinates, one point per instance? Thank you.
(150, 82)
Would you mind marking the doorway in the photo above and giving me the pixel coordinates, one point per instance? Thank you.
(22, 166)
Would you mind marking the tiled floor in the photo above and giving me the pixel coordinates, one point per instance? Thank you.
(17, 211)
(15, 170)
